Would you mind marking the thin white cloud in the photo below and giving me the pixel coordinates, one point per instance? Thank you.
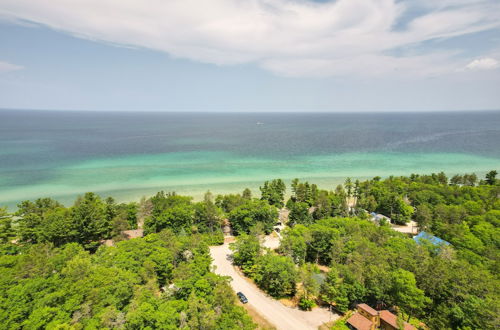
(485, 63)
(368, 65)
(8, 67)
(288, 37)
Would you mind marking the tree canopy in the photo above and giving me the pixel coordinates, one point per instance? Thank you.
(273, 192)
(148, 282)
(251, 213)
(56, 273)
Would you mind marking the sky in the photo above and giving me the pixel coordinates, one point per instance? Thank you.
(250, 55)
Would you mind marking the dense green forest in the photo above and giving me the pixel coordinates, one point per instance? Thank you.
(162, 281)
(446, 287)
(56, 273)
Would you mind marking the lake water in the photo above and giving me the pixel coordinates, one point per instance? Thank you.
(131, 154)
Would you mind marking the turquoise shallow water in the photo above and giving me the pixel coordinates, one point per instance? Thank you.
(128, 155)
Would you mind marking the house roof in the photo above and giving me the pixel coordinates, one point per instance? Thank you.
(378, 216)
(431, 238)
(368, 309)
(392, 319)
(359, 322)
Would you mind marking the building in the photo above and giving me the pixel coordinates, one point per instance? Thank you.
(434, 240)
(377, 217)
(367, 318)
(359, 322)
(389, 321)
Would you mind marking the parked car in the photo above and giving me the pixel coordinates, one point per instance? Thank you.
(277, 230)
(242, 297)
(278, 223)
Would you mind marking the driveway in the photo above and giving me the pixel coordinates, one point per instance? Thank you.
(271, 241)
(409, 228)
(280, 316)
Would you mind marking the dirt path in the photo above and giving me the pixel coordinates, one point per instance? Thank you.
(272, 310)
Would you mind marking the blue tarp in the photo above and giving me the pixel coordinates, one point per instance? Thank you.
(431, 238)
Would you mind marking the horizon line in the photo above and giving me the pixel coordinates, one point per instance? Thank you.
(249, 111)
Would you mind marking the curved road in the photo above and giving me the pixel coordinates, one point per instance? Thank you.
(280, 316)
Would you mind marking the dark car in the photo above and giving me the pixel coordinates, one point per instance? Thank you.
(242, 297)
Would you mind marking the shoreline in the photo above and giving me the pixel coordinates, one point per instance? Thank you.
(197, 191)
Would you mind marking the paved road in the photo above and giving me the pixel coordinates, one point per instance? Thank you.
(280, 316)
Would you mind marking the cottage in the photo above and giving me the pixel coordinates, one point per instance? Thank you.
(367, 318)
(389, 321)
(359, 322)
